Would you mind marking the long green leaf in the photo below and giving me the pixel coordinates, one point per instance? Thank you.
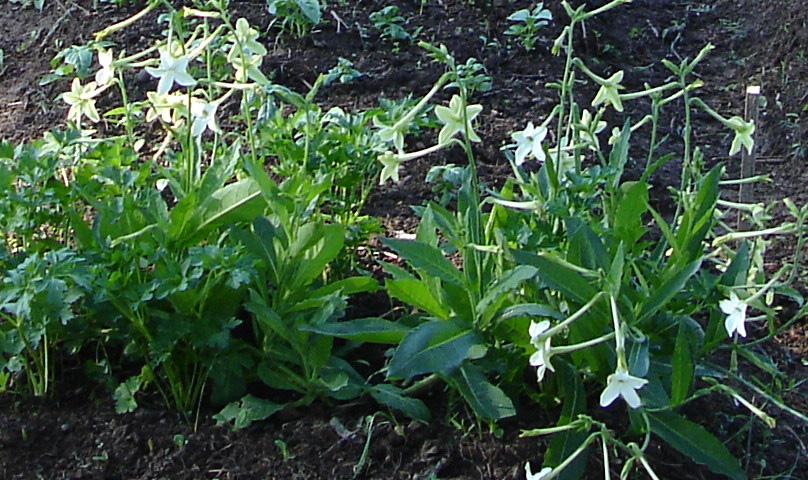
(369, 330)
(394, 398)
(426, 258)
(697, 443)
(487, 400)
(661, 295)
(681, 366)
(505, 283)
(434, 347)
(416, 293)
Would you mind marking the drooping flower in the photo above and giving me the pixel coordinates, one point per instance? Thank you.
(391, 163)
(248, 36)
(80, 98)
(107, 71)
(453, 121)
(743, 135)
(544, 351)
(735, 309)
(204, 116)
(528, 142)
(622, 384)
(529, 475)
(171, 71)
(609, 92)
(247, 66)
(393, 134)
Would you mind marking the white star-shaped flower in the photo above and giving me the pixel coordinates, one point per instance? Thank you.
(621, 384)
(171, 71)
(204, 115)
(528, 141)
(80, 98)
(735, 309)
(452, 119)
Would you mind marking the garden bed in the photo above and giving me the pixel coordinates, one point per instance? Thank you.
(78, 434)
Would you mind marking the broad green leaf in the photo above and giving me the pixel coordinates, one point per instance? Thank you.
(416, 293)
(585, 248)
(486, 399)
(557, 276)
(348, 286)
(735, 274)
(395, 398)
(662, 294)
(319, 256)
(619, 155)
(530, 310)
(124, 395)
(427, 258)
(369, 330)
(697, 443)
(628, 222)
(681, 366)
(457, 299)
(439, 346)
(311, 9)
(502, 285)
(244, 412)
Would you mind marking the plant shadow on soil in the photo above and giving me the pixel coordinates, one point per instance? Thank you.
(79, 436)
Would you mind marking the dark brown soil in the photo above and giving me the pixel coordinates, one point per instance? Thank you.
(78, 435)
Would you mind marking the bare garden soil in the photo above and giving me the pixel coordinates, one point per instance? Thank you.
(78, 435)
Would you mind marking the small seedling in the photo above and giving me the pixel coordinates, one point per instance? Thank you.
(528, 23)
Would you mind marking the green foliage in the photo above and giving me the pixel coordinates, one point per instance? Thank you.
(390, 24)
(298, 17)
(528, 23)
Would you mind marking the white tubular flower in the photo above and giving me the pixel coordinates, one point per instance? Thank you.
(171, 71)
(622, 384)
(528, 141)
(452, 118)
(735, 309)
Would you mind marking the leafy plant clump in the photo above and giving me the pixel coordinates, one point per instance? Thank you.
(195, 259)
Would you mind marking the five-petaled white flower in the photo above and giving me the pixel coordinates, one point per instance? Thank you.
(528, 141)
(735, 308)
(204, 115)
(391, 163)
(609, 92)
(743, 135)
(452, 119)
(80, 99)
(538, 475)
(172, 70)
(622, 384)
